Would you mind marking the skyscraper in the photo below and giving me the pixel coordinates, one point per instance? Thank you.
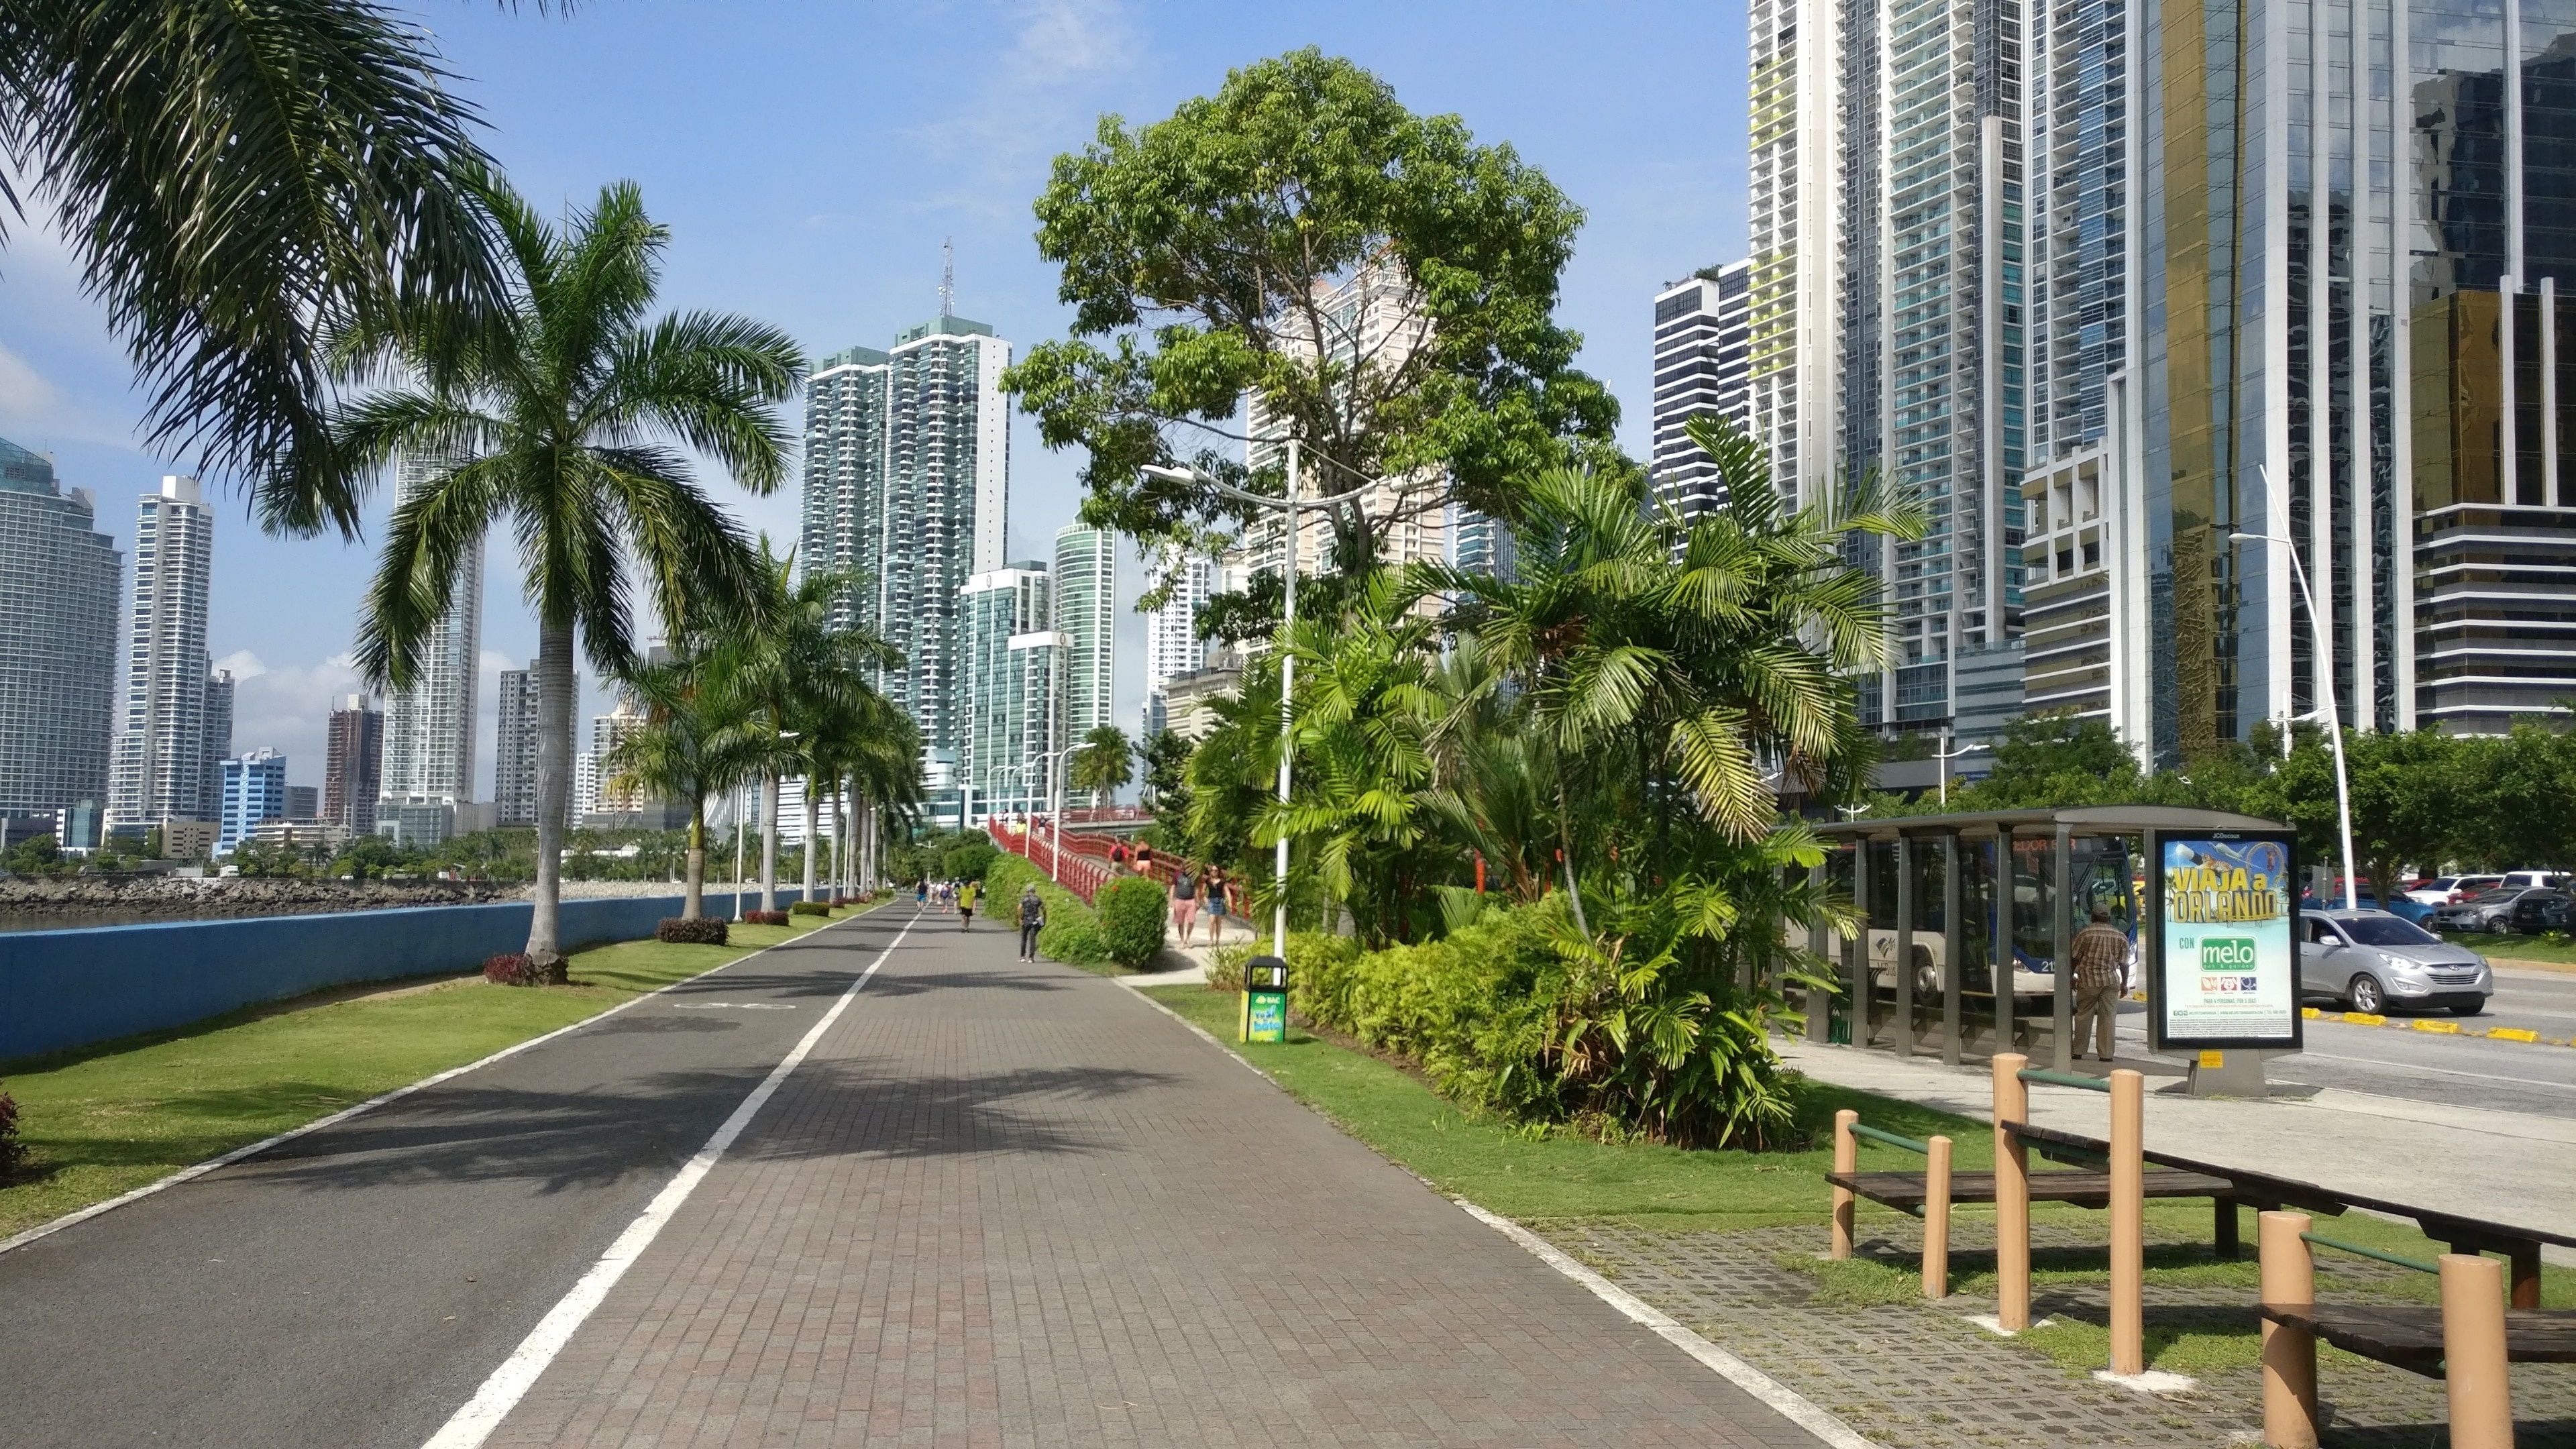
(160, 761)
(1086, 613)
(514, 749)
(1172, 644)
(254, 789)
(1703, 366)
(58, 577)
(1015, 663)
(429, 728)
(907, 474)
(353, 764)
(217, 744)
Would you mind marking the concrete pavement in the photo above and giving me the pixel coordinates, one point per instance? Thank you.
(997, 1204)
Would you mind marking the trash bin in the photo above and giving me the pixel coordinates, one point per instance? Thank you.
(1265, 1000)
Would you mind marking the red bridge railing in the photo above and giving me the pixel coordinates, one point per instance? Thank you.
(1081, 874)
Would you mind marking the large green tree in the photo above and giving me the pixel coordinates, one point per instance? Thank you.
(557, 422)
(1198, 253)
(240, 183)
(1103, 763)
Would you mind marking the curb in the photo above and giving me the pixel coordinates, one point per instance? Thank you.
(191, 1173)
(1787, 1402)
(2433, 1026)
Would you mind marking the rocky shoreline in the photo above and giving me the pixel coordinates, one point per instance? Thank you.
(76, 901)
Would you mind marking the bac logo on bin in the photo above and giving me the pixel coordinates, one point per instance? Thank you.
(2226, 953)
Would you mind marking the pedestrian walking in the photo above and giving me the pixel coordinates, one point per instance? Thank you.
(1032, 921)
(1185, 899)
(2101, 953)
(1212, 902)
(921, 893)
(966, 906)
(1144, 860)
(1118, 854)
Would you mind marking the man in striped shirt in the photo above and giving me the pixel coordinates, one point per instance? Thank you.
(2101, 953)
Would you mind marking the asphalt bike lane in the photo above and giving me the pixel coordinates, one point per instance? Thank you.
(354, 1286)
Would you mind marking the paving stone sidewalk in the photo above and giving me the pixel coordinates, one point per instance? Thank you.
(1008, 1204)
(1919, 1375)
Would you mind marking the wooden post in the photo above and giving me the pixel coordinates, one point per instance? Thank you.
(1936, 1222)
(1846, 1160)
(2012, 1195)
(2128, 1221)
(2473, 1353)
(2289, 1276)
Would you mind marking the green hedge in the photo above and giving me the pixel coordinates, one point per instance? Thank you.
(1133, 911)
(1072, 933)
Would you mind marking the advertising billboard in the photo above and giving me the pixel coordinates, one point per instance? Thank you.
(2222, 939)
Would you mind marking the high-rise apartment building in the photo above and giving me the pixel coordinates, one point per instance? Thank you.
(217, 745)
(514, 749)
(1703, 367)
(907, 475)
(303, 803)
(253, 790)
(1015, 663)
(429, 727)
(159, 766)
(58, 577)
(1086, 613)
(1172, 644)
(585, 786)
(353, 764)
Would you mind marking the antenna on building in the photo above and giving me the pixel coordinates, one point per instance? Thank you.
(947, 275)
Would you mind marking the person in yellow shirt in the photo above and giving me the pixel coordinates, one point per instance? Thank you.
(966, 905)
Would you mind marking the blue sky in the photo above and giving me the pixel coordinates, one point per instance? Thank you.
(809, 160)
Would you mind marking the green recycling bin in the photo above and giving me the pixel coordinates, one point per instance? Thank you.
(1265, 1000)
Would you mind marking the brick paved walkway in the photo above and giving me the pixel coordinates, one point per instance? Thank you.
(1009, 1205)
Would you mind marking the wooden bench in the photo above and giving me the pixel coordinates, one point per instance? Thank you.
(2411, 1337)
(1905, 1191)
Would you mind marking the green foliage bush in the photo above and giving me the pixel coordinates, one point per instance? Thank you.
(1133, 913)
(1510, 1014)
(1072, 933)
(692, 930)
(12, 1151)
(808, 908)
(969, 859)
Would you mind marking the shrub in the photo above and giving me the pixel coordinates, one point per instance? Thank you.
(1225, 964)
(692, 930)
(12, 1151)
(1132, 916)
(969, 859)
(765, 918)
(808, 908)
(518, 970)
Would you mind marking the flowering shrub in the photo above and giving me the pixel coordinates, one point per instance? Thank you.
(12, 1151)
(765, 918)
(518, 970)
(691, 930)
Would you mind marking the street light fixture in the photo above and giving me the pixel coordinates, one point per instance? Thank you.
(1288, 625)
(1945, 755)
(2334, 717)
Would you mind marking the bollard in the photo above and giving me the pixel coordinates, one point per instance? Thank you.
(2289, 1277)
(1846, 1160)
(2012, 1196)
(1936, 1222)
(2473, 1352)
(2128, 1221)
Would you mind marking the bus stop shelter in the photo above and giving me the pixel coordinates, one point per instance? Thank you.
(1981, 910)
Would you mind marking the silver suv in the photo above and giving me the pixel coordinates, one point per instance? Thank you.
(2487, 911)
(2372, 961)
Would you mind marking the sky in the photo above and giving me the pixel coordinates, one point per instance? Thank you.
(811, 159)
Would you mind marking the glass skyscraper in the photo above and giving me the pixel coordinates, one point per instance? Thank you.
(162, 758)
(1015, 666)
(1703, 365)
(1086, 613)
(58, 577)
(254, 789)
(429, 728)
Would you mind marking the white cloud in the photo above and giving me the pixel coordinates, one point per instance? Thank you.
(288, 708)
(242, 664)
(1037, 100)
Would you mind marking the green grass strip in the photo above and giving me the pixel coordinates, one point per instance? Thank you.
(103, 1120)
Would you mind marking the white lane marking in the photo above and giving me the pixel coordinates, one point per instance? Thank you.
(731, 1006)
(474, 1423)
(187, 1174)
(1787, 1402)
(2445, 1071)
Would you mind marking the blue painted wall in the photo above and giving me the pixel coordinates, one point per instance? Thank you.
(63, 989)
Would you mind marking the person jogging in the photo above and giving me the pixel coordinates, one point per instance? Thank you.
(966, 906)
(1032, 921)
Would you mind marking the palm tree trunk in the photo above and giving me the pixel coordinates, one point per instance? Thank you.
(695, 904)
(769, 841)
(554, 785)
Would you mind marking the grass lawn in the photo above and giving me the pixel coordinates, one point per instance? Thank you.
(2509, 950)
(106, 1119)
(1537, 1177)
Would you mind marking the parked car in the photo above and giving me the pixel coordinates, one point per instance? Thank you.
(2435, 892)
(2542, 910)
(2492, 911)
(2465, 886)
(2372, 961)
(2534, 880)
(2414, 912)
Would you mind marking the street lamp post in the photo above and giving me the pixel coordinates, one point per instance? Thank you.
(1287, 627)
(1945, 755)
(2334, 717)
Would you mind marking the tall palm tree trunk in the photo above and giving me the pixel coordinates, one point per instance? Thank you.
(694, 905)
(769, 841)
(554, 785)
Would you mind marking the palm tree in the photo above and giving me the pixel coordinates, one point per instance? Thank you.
(698, 740)
(238, 183)
(549, 422)
(1104, 763)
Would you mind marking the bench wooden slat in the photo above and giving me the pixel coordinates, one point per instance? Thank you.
(2411, 1337)
(1906, 1191)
